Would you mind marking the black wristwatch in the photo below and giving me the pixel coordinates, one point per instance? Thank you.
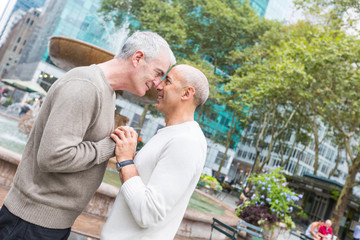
(120, 165)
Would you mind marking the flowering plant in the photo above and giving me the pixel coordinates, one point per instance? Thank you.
(271, 201)
(209, 182)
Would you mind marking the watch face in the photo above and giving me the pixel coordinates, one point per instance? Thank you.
(118, 166)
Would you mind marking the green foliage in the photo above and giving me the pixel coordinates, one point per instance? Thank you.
(198, 30)
(209, 182)
(270, 189)
(8, 101)
(335, 194)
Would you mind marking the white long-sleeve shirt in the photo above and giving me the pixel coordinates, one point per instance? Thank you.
(152, 205)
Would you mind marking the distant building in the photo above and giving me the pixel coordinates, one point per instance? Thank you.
(319, 201)
(260, 6)
(58, 18)
(12, 50)
(12, 7)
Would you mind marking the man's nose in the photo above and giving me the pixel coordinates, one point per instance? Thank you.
(159, 86)
(156, 82)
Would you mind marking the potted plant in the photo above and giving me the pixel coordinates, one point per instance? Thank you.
(271, 203)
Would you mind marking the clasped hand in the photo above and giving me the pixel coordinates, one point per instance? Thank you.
(126, 140)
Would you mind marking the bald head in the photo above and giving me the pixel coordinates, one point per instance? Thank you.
(193, 77)
(328, 223)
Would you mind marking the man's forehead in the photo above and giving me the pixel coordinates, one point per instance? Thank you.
(167, 73)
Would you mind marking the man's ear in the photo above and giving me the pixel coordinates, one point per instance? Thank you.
(188, 93)
(137, 57)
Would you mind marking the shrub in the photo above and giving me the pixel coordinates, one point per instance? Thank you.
(209, 182)
(272, 201)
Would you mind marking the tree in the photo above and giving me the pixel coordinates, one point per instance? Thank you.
(316, 67)
(198, 29)
(162, 17)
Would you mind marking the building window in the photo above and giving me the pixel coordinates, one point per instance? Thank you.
(20, 51)
(32, 21)
(19, 39)
(24, 42)
(219, 157)
(135, 121)
(27, 20)
(14, 48)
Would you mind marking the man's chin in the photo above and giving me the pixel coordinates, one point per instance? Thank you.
(141, 93)
(158, 107)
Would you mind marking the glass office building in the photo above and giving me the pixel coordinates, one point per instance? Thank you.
(80, 20)
(76, 19)
(259, 6)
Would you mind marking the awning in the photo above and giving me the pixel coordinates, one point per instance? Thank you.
(27, 86)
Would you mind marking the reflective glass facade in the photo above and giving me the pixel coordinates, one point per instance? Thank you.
(80, 20)
(25, 5)
(259, 6)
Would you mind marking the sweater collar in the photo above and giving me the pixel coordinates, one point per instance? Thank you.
(104, 78)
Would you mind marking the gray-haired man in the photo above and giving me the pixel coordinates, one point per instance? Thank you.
(66, 155)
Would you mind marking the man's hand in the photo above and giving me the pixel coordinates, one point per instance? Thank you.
(126, 140)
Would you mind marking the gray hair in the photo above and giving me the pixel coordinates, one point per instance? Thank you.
(197, 79)
(149, 42)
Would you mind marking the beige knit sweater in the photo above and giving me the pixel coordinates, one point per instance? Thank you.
(66, 155)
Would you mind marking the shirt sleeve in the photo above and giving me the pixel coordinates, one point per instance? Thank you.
(74, 108)
(172, 176)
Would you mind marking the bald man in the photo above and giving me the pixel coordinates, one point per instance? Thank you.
(159, 181)
(325, 231)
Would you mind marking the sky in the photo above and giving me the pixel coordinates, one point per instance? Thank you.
(2, 6)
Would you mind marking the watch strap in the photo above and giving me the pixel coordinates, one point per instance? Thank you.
(120, 165)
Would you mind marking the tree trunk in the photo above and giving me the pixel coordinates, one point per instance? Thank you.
(281, 153)
(316, 140)
(343, 199)
(298, 160)
(259, 137)
(228, 141)
(292, 149)
(336, 164)
(274, 137)
(143, 115)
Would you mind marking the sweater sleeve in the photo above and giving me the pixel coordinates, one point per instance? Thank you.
(75, 105)
(172, 176)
